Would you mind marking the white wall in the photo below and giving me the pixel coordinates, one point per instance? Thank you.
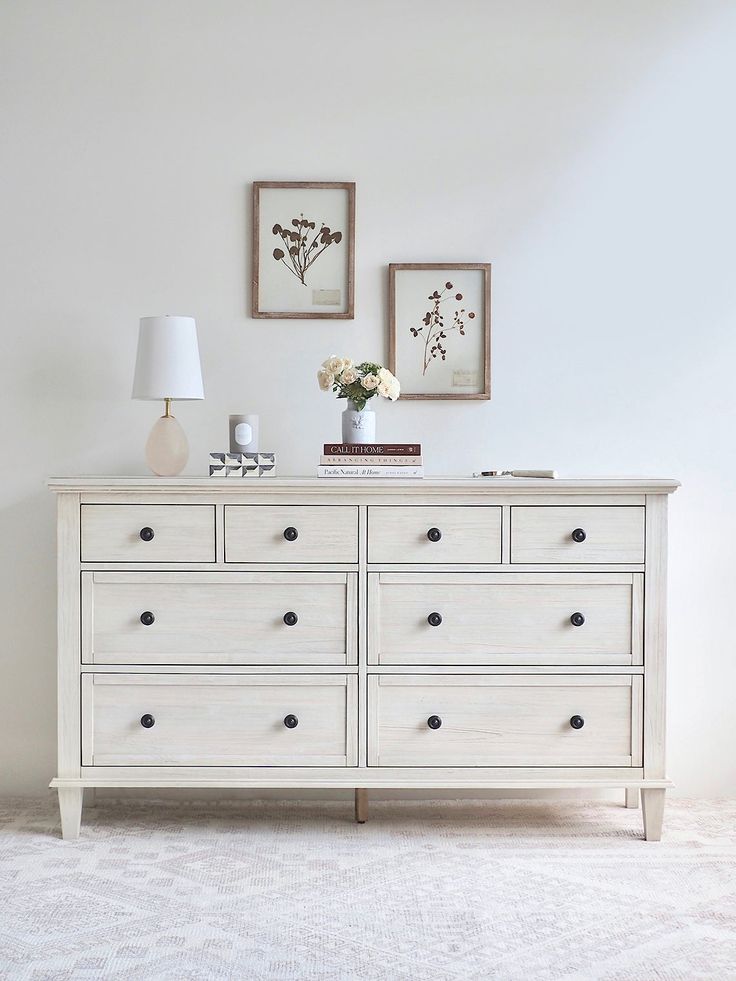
(586, 148)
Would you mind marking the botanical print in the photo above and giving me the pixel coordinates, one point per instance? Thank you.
(298, 253)
(440, 328)
(433, 330)
(303, 249)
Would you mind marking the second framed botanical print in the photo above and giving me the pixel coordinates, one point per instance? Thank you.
(440, 329)
(303, 250)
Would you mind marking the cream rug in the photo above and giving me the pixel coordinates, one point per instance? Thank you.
(506, 890)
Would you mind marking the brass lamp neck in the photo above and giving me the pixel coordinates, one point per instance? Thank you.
(167, 413)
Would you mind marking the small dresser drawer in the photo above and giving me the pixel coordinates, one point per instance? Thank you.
(219, 618)
(286, 533)
(441, 534)
(513, 720)
(148, 533)
(505, 618)
(544, 533)
(218, 720)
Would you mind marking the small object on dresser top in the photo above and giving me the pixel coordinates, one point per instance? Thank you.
(372, 449)
(370, 461)
(370, 471)
(550, 474)
(242, 464)
(243, 433)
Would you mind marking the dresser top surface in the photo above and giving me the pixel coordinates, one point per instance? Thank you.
(367, 486)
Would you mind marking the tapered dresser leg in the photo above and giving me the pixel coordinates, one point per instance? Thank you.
(70, 807)
(652, 806)
(361, 806)
(632, 796)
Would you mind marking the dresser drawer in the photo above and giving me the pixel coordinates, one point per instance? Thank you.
(443, 534)
(513, 720)
(148, 533)
(505, 618)
(219, 618)
(218, 720)
(577, 534)
(286, 533)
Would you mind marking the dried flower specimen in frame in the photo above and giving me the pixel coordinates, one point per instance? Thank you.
(303, 249)
(440, 329)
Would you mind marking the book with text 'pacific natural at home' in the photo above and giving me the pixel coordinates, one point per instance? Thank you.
(331, 460)
(372, 449)
(369, 471)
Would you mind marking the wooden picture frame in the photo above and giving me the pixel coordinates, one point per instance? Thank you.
(284, 283)
(468, 368)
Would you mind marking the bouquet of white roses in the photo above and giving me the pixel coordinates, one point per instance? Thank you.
(357, 382)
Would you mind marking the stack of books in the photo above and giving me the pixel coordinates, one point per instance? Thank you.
(371, 460)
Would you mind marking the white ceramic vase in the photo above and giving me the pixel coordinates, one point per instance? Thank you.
(359, 426)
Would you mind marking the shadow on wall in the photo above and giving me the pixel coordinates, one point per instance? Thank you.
(28, 692)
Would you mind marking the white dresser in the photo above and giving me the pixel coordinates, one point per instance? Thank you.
(449, 633)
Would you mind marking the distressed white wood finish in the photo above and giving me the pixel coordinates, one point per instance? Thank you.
(326, 533)
(334, 522)
(418, 778)
(68, 638)
(70, 810)
(430, 487)
(221, 720)
(399, 534)
(502, 619)
(512, 721)
(655, 638)
(652, 806)
(211, 618)
(543, 534)
(182, 533)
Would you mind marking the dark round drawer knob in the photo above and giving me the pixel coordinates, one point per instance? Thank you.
(434, 619)
(290, 619)
(577, 619)
(147, 618)
(291, 534)
(291, 721)
(434, 534)
(577, 722)
(148, 721)
(146, 534)
(579, 535)
(434, 722)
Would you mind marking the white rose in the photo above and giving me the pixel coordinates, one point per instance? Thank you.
(369, 383)
(335, 364)
(348, 376)
(326, 379)
(385, 375)
(389, 390)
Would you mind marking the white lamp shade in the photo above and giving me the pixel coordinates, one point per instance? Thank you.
(167, 365)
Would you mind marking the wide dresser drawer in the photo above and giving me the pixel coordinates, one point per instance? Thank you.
(219, 618)
(505, 618)
(550, 534)
(218, 720)
(291, 533)
(512, 720)
(148, 533)
(434, 534)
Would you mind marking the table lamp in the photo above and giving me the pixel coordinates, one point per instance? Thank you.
(167, 367)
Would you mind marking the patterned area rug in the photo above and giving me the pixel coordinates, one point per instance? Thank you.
(506, 890)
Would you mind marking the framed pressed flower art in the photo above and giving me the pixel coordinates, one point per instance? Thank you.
(440, 329)
(303, 249)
